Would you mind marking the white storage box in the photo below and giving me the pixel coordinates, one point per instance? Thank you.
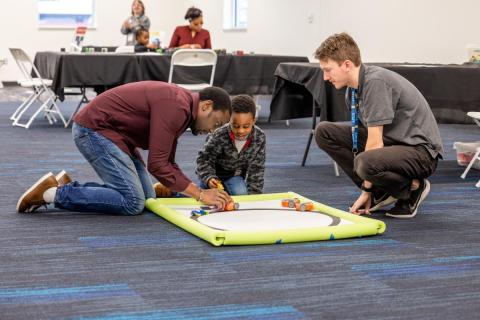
(465, 153)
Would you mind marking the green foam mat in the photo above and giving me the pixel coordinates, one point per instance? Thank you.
(261, 219)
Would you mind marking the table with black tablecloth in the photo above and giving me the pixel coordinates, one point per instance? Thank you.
(250, 74)
(451, 90)
(87, 69)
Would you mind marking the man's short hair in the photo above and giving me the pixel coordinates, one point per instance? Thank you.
(339, 47)
(219, 97)
(244, 104)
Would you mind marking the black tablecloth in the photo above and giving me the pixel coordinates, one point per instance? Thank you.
(251, 74)
(451, 91)
(87, 69)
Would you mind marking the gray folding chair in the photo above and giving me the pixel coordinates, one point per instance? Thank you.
(40, 87)
(194, 58)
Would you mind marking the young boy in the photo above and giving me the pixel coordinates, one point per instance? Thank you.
(235, 153)
(143, 41)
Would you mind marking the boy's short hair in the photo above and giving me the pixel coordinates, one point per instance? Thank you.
(244, 104)
(339, 47)
(219, 97)
(140, 31)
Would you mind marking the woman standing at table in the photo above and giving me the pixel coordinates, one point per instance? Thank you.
(191, 36)
(137, 20)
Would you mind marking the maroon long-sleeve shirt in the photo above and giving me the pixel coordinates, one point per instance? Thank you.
(150, 115)
(183, 35)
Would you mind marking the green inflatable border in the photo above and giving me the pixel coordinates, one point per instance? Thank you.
(361, 226)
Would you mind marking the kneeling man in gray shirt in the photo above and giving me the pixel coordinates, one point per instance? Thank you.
(392, 144)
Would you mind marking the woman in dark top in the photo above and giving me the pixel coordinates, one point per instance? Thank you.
(191, 36)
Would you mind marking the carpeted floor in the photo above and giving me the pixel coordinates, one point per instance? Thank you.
(60, 265)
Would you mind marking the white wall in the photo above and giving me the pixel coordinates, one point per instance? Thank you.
(274, 26)
(431, 31)
(386, 30)
(19, 29)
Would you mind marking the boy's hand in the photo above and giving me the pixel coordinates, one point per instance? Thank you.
(216, 197)
(151, 46)
(212, 183)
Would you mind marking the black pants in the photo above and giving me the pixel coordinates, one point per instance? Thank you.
(391, 169)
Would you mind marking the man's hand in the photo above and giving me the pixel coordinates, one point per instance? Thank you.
(362, 205)
(216, 197)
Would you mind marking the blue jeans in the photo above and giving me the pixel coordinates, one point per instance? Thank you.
(235, 186)
(126, 185)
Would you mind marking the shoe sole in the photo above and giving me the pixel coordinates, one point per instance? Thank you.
(42, 179)
(414, 213)
(162, 190)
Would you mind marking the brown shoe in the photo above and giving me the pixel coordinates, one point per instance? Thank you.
(161, 191)
(33, 197)
(63, 178)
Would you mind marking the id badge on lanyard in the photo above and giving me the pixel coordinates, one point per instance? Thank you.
(354, 109)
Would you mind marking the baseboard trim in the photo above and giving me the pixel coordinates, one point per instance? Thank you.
(10, 83)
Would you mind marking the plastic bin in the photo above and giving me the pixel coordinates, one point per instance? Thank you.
(465, 153)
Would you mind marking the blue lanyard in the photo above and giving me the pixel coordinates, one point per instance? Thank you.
(354, 108)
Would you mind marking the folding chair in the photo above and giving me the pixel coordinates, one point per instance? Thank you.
(2, 62)
(476, 117)
(40, 87)
(194, 58)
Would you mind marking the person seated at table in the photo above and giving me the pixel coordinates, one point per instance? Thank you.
(191, 36)
(143, 41)
(137, 20)
(235, 153)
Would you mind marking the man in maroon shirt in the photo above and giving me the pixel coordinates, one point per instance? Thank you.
(150, 115)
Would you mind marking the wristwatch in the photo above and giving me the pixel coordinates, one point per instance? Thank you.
(363, 188)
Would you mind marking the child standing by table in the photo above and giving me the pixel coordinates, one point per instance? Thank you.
(235, 153)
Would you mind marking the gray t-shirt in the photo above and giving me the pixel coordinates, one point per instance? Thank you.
(389, 100)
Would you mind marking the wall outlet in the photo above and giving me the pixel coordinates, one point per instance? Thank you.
(310, 18)
(3, 61)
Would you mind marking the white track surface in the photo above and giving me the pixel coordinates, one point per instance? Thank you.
(252, 216)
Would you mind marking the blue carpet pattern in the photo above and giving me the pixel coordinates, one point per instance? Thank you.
(68, 265)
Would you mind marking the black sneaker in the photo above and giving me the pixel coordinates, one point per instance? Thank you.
(408, 208)
(378, 202)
